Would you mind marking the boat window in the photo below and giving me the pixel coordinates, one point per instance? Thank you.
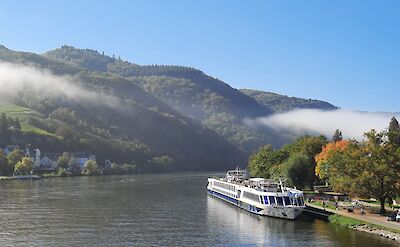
(261, 200)
(279, 200)
(287, 201)
(271, 199)
(266, 200)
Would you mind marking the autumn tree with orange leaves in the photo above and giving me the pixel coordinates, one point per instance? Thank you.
(363, 169)
(324, 158)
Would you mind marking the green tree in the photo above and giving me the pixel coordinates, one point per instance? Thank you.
(64, 161)
(4, 127)
(24, 167)
(90, 168)
(394, 132)
(62, 172)
(5, 168)
(337, 136)
(309, 146)
(263, 162)
(66, 133)
(381, 171)
(17, 124)
(298, 170)
(14, 157)
(75, 169)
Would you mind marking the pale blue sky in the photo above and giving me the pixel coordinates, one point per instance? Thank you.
(344, 52)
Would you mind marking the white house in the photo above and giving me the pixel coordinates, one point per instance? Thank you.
(81, 158)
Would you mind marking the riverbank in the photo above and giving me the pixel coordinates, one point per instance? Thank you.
(21, 177)
(371, 224)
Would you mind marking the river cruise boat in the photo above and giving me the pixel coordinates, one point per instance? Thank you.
(258, 195)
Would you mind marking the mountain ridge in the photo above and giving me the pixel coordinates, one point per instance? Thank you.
(160, 127)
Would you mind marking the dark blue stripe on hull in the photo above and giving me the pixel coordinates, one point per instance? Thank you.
(223, 197)
(245, 206)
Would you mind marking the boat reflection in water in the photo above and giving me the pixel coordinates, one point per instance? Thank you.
(245, 228)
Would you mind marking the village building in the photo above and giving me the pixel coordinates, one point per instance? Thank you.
(47, 162)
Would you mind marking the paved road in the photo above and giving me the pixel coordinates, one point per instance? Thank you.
(369, 218)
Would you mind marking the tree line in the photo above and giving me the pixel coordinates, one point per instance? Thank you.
(16, 163)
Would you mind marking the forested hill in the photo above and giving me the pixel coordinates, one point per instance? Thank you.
(282, 103)
(209, 100)
(137, 128)
(193, 93)
(172, 117)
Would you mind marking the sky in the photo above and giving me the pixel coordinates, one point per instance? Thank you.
(343, 52)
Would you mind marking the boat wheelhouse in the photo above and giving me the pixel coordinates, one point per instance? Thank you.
(258, 195)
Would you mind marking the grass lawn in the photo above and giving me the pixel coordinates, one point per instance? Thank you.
(329, 205)
(23, 113)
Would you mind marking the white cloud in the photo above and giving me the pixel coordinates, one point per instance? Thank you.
(353, 124)
(16, 77)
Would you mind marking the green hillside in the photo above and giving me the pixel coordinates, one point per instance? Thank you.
(140, 130)
(210, 101)
(159, 117)
(193, 93)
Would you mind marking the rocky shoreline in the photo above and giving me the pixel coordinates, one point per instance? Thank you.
(376, 231)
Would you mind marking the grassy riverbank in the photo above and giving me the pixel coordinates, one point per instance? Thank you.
(364, 223)
(320, 204)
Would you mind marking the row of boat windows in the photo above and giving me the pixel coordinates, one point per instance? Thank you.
(225, 193)
(282, 200)
(225, 186)
(274, 200)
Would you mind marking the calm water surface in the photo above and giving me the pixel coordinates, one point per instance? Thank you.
(149, 210)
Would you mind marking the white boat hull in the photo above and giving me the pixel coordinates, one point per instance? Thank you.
(273, 211)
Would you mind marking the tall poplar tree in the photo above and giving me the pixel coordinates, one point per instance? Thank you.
(337, 136)
(394, 132)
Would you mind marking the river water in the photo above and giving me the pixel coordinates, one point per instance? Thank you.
(149, 210)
